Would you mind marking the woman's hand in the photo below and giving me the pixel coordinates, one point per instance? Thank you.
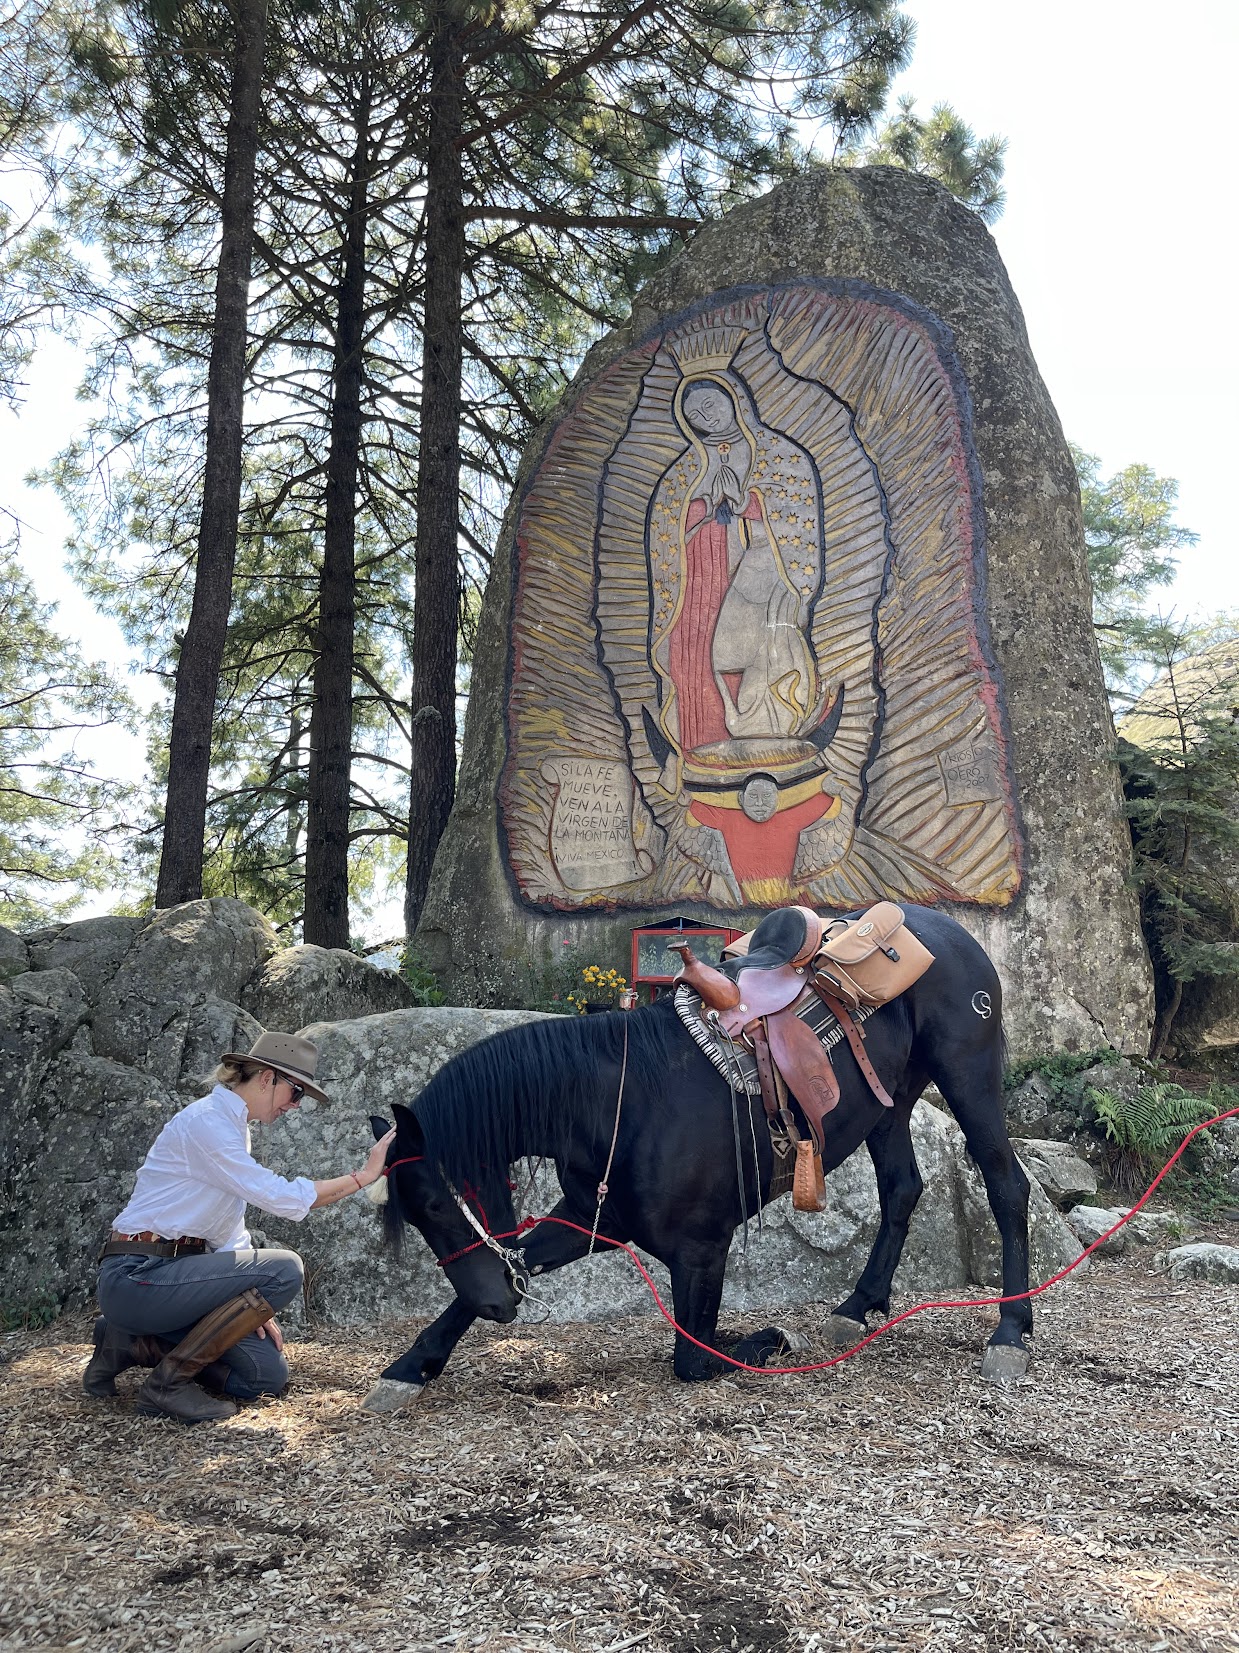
(270, 1328)
(373, 1168)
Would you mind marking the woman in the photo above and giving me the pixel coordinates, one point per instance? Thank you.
(181, 1287)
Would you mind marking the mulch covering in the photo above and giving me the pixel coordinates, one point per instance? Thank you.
(557, 1489)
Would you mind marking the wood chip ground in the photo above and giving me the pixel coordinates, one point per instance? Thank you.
(557, 1489)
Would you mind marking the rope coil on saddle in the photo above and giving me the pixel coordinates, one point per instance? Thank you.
(603, 1188)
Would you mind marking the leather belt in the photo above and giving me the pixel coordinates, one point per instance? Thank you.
(144, 1244)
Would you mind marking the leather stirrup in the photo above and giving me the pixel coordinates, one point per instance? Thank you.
(808, 1182)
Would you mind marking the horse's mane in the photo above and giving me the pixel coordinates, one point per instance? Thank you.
(542, 1082)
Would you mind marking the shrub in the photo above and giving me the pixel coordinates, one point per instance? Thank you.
(427, 994)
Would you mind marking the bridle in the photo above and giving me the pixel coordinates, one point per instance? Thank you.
(513, 1259)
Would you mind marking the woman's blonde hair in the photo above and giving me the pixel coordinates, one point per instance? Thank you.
(232, 1074)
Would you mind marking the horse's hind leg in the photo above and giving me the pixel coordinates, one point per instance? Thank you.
(696, 1293)
(972, 1086)
(899, 1188)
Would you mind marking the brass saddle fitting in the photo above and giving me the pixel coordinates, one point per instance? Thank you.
(713, 988)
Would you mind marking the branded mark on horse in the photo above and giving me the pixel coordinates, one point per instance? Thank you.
(676, 1186)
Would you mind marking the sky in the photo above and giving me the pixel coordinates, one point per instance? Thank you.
(1118, 233)
(1117, 236)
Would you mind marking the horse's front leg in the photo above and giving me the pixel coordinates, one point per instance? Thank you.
(405, 1378)
(696, 1293)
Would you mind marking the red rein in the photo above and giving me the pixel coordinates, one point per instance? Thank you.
(888, 1325)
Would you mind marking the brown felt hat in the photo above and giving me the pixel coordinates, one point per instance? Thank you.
(296, 1059)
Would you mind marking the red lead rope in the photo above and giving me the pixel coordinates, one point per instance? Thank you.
(920, 1308)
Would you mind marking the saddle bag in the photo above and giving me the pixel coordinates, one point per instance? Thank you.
(872, 959)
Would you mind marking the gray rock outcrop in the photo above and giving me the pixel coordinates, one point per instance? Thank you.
(204, 949)
(1089, 1222)
(14, 956)
(92, 948)
(75, 1124)
(68, 1174)
(1066, 1178)
(321, 984)
(1216, 1264)
(1069, 949)
(107, 1025)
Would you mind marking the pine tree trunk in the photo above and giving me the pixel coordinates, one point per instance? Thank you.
(202, 652)
(331, 718)
(436, 594)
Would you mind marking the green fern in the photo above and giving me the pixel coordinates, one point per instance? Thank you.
(1143, 1130)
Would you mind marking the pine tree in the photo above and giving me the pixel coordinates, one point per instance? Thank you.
(945, 148)
(587, 140)
(1179, 757)
(1131, 539)
(59, 819)
(202, 647)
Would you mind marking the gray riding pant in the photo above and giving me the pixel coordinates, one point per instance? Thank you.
(169, 1295)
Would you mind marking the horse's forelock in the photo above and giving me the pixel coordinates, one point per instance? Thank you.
(393, 1219)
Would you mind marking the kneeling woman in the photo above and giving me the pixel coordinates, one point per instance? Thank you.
(181, 1287)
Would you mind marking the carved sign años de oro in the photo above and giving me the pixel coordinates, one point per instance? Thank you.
(749, 651)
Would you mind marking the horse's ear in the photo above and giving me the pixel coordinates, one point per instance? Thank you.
(407, 1127)
(380, 1127)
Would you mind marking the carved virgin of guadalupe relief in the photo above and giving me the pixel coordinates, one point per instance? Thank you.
(749, 661)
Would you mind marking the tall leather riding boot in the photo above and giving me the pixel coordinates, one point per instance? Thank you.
(170, 1391)
(116, 1352)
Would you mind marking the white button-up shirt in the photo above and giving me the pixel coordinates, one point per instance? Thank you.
(200, 1175)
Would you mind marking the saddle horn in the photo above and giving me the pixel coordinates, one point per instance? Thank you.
(715, 989)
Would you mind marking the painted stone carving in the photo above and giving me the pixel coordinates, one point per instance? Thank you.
(749, 660)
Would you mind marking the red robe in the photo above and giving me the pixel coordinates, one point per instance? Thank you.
(690, 655)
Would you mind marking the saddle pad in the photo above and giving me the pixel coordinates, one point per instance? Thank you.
(734, 1060)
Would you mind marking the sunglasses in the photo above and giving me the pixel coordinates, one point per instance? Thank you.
(298, 1091)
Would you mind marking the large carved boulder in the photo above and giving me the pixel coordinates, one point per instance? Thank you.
(791, 605)
(321, 984)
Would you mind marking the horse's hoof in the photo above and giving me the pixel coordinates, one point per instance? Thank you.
(791, 1343)
(844, 1332)
(390, 1395)
(1004, 1362)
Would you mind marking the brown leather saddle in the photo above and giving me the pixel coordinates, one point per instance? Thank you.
(867, 959)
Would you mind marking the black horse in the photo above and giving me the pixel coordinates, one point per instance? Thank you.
(549, 1089)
